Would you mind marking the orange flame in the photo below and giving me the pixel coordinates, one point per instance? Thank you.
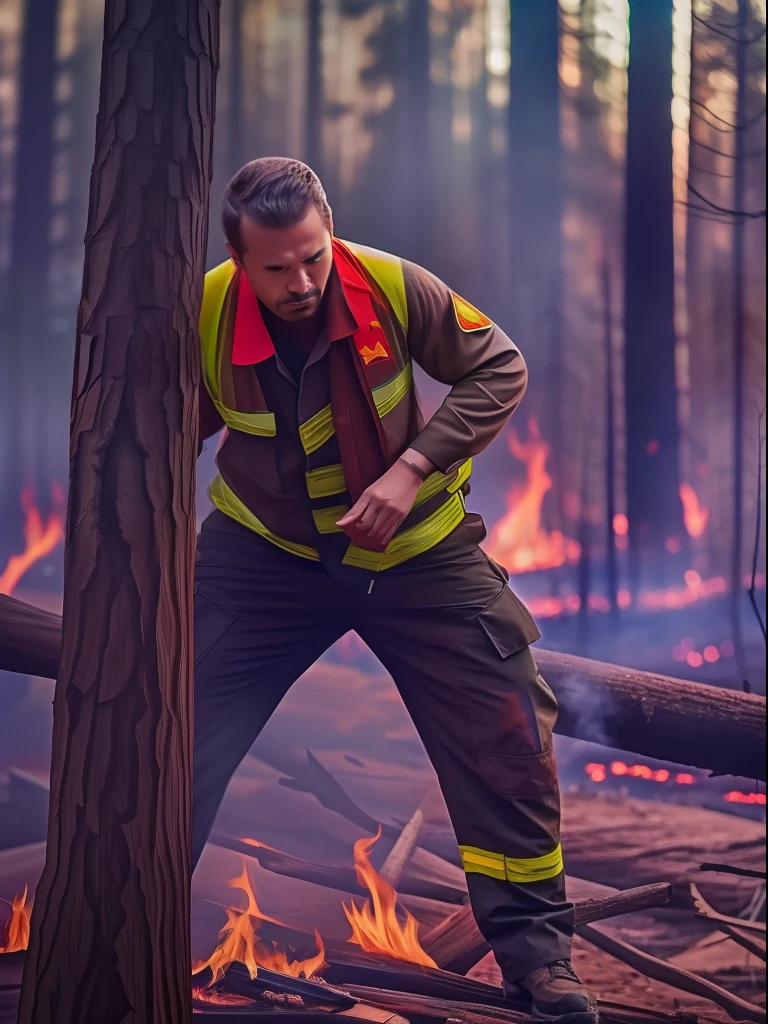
(518, 540)
(599, 773)
(695, 516)
(39, 540)
(207, 995)
(16, 936)
(239, 942)
(376, 928)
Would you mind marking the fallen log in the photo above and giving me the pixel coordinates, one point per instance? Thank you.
(737, 1008)
(727, 869)
(640, 712)
(457, 945)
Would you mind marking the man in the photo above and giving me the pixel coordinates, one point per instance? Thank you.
(338, 509)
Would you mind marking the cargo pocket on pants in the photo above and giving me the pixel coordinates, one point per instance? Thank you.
(215, 612)
(508, 624)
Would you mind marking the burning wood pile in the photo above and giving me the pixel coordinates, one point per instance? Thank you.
(391, 968)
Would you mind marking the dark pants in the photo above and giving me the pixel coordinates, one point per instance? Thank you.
(455, 640)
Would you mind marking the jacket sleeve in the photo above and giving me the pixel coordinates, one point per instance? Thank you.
(485, 370)
(210, 422)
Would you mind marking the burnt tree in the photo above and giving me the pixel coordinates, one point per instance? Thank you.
(26, 323)
(118, 860)
(654, 508)
(535, 210)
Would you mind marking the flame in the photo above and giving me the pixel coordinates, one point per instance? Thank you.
(518, 540)
(735, 797)
(695, 515)
(39, 540)
(16, 936)
(207, 995)
(239, 942)
(376, 928)
(599, 773)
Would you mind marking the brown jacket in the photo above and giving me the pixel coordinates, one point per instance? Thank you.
(485, 370)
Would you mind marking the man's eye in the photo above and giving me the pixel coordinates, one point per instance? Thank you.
(314, 259)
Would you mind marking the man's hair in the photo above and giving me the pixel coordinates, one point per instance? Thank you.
(273, 191)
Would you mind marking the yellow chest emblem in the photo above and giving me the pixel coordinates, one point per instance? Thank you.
(370, 355)
(467, 317)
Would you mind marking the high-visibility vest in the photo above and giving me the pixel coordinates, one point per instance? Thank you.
(375, 290)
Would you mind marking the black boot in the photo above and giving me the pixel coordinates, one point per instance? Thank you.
(557, 991)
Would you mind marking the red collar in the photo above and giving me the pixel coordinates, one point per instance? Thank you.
(348, 307)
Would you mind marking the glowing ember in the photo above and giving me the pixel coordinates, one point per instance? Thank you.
(376, 928)
(207, 995)
(695, 516)
(599, 773)
(239, 942)
(16, 935)
(518, 540)
(735, 797)
(39, 540)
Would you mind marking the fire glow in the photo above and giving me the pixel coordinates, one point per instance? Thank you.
(376, 928)
(39, 539)
(518, 540)
(240, 942)
(16, 936)
(599, 773)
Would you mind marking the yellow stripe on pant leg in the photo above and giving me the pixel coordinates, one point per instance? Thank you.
(483, 862)
(534, 869)
(521, 870)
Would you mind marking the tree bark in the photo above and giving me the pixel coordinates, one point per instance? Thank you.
(653, 501)
(118, 856)
(658, 716)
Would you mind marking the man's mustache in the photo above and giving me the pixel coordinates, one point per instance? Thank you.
(298, 299)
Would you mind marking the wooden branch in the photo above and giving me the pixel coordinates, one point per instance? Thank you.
(639, 712)
(334, 876)
(457, 945)
(727, 869)
(737, 1008)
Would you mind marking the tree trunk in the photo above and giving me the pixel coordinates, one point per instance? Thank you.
(118, 866)
(653, 501)
(672, 719)
(418, 139)
(739, 334)
(27, 283)
(313, 131)
(235, 76)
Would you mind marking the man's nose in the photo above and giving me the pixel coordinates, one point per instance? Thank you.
(300, 282)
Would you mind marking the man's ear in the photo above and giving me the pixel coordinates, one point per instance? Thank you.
(235, 258)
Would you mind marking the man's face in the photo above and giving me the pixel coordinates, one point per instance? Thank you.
(288, 268)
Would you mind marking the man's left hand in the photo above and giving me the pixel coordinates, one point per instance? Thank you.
(381, 508)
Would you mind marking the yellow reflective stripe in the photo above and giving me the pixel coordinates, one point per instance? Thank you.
(413, 541)
(317, 430)
(482, 862)
(387, 272)
(534, 869)
(259, 423)
(214, 292)
(225, 499)
(386, 396)
(437, 481)
(325, 518)
(326, 480)
(512, 869)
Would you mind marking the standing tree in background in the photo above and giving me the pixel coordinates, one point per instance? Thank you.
(654, 508)
(26, 322)
(535, 207)
(118, 862)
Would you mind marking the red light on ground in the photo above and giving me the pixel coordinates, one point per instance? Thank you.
(619, 768)
(694, 659)
(683, 779)
(624, 599)
(652, 447)
(620, 524)
(596, 772)
(735, 797)
(661, 775)
(673, 545)
(711, 654)
(692, 578)
(727, 649)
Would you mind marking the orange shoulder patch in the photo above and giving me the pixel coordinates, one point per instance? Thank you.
(467, 317)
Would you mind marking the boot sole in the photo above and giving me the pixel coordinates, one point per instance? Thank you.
(580, 1017)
